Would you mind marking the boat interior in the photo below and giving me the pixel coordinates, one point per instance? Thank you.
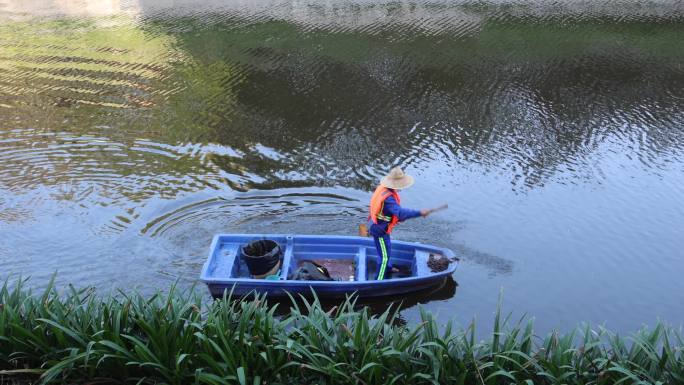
(345, 258)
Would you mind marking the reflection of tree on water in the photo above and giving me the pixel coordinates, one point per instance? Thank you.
(533, 97)
(291, 105)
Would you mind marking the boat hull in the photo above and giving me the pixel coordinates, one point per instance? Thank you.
(369, 289)
(224, 274)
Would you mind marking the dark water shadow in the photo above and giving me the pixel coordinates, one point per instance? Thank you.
(376, 306)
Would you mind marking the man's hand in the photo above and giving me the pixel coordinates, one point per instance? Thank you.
(424, 212)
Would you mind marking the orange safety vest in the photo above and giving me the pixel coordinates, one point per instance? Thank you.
(377, 203)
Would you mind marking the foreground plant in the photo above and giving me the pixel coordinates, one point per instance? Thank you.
(177, 339)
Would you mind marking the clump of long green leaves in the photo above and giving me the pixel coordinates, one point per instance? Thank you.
(175, 338)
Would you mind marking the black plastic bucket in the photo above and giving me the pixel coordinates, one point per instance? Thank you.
(261, 256)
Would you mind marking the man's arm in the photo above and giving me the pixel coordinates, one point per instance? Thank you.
(392, 208)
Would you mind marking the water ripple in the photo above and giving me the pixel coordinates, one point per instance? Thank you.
(264, 210)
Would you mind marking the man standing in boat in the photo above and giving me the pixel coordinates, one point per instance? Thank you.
(385, 213)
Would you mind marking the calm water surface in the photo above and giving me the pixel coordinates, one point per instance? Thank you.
(132, 131)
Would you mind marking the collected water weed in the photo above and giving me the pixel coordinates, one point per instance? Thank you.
(175, 338)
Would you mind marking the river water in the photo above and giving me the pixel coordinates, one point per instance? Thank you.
(132, 131)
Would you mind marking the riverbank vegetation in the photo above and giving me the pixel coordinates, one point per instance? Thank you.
(178, 338)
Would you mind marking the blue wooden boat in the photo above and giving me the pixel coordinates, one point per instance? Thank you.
(226, 271)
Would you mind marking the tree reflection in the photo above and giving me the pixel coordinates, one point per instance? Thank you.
(249, 101)
(534, 97)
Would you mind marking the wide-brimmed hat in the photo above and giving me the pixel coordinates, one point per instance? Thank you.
(396, 179)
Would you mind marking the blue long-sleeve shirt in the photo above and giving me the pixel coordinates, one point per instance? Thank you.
(391, 207)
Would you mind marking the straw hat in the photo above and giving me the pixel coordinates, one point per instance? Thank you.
(396, 179)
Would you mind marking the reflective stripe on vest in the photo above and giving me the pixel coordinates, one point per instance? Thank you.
(377, 204)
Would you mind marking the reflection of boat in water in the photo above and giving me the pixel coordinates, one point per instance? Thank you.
(375, 306)
(226, 269)
(442, 291)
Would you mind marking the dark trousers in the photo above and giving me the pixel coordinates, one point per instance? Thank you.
(383, 246)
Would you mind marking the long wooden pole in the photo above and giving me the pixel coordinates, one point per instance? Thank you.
(438, 208)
